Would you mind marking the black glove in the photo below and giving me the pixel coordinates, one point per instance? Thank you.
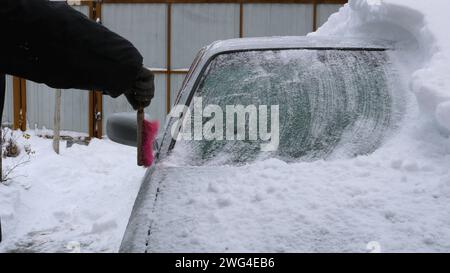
(143, 90)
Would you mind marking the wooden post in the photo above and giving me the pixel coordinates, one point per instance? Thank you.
(20, 104)
(57, 121)
(16, 103)
(95, 114)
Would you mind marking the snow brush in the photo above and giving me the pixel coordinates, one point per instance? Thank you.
(146, 135)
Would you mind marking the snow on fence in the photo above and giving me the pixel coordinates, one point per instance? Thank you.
(168, 33)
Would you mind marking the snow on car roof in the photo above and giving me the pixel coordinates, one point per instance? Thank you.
(284, 42)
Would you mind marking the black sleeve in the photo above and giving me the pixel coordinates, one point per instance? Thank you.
(51, 43)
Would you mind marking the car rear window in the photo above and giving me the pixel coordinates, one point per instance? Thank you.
(331, 103)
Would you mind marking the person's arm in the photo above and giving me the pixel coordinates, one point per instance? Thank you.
(51, 43)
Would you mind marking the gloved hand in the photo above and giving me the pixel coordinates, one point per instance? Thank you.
(143, 90)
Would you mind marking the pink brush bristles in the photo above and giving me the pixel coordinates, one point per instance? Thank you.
(149, 133)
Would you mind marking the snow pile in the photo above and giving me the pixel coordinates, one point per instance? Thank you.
(79, 200)
(271, 206)
(420, 29)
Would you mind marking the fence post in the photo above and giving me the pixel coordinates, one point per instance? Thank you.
(95, 97)
(19, 104)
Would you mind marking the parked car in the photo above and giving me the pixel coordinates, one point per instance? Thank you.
(334, 100)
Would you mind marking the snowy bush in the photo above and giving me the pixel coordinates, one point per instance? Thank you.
(10, 148)
(13, 148)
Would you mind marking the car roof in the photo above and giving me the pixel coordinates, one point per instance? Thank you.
(286, 42)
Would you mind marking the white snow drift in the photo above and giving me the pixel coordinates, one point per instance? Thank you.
(77, 201)
(420, 29)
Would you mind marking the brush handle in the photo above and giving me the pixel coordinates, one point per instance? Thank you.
(140, 127)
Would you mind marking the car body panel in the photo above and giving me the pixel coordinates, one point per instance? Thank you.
(138, 235)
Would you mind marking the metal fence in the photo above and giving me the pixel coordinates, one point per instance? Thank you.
(168, 33)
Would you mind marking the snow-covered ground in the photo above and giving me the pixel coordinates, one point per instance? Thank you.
(83, 197)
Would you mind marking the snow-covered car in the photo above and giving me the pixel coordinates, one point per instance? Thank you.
(335, 101)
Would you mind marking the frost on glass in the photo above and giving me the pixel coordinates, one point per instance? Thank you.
(331, 102)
